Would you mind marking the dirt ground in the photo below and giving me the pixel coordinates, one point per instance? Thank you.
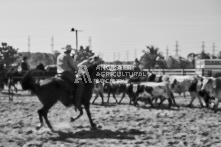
(119, 125)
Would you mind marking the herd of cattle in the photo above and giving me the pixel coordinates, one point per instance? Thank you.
(155, 87)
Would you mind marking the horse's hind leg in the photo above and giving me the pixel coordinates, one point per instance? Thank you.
(87, 109)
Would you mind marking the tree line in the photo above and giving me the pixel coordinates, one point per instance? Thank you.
(151, 58)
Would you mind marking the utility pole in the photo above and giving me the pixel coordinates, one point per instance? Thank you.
(29, 45)
(75, 30)
(214, 49)
(89, 42)
(167, 53)
(52, 44)
(118, 56)
(176, 50)
(135, 53)
(203, 46)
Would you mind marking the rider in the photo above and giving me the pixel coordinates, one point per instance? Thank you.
(137, 65)
(67, 67)
(1, 63)
(24, 64)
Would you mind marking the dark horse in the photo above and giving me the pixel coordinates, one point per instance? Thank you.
(53, 90)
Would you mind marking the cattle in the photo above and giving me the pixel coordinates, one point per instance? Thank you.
(98, 91)
(154, 90)
(155, 78)
(191, 84)
(180, 84)
(119, 87)
(196, 92)
(110, 88)
(130, 90)
(213, 87)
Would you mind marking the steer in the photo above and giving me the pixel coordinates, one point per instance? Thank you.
(182, 84)
(154, 90)
(98, 90)
(213, 87)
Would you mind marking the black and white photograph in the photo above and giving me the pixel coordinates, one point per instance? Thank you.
(117, 73)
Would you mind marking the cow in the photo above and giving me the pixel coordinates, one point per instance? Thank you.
(180, 84)
(130, 90)
(152, 77)
(98, 91)
(213, 87)
(191, 84)
(154, 90)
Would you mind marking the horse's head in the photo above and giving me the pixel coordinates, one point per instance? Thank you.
(91, 65)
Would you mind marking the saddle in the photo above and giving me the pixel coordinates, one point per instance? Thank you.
(70, 87)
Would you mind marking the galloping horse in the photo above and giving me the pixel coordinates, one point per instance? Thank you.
(53, 90)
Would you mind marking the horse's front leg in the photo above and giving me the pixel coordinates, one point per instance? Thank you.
(81, 113)
(87, 109)
(16, 89)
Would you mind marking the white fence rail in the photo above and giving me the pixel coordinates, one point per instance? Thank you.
(173, 71)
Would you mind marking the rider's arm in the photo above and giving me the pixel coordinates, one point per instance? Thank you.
(85, 62)
(72, 64)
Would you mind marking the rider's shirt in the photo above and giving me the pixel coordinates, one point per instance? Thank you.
(65, 63)
(24, 66)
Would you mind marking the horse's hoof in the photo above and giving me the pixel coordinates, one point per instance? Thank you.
(177, 106)
(93, 125)
(190, 106)
(99, 127)
(53, 131)
(39, 127)
(72, 119)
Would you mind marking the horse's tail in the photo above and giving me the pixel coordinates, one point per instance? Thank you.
(28, 82)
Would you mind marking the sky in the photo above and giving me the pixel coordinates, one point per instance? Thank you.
(119, 29)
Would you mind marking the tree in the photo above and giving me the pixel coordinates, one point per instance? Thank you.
(192, 58)
(204, 55)
(9, 54)
(83, 53)
(172, 63)
(149, 59)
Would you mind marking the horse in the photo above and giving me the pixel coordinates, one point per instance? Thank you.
(52, 90)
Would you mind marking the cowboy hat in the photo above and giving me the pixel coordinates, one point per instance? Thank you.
(67, 48)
